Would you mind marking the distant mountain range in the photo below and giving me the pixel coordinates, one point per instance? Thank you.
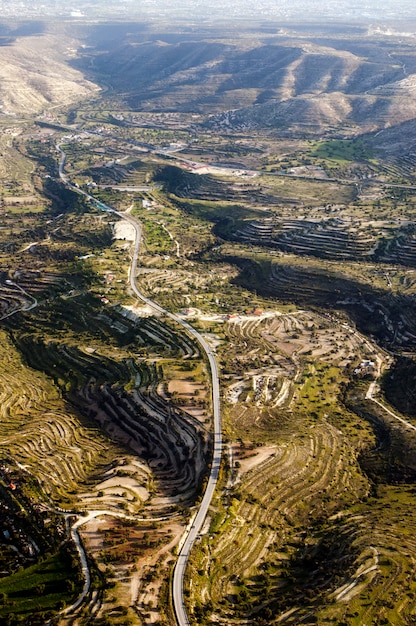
(313, 84)
(335, 83)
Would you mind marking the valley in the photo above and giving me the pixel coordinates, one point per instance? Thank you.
(181, 205)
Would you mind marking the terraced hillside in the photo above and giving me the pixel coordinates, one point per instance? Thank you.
(253, 212)
(55, 445)
(123, 394)
(275, 219)
(296, 534)
(330, 238)
(104, 424)
(365, 294)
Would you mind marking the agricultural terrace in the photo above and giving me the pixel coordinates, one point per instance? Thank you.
(296, 260)
(298, 520)
(112, 428)
(142, 384)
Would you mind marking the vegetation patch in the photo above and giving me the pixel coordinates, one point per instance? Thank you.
(342, 151)
(40, 590)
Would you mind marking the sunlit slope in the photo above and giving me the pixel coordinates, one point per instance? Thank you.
(35, 74)
(43, 433)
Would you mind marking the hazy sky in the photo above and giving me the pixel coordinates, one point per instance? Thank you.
(308, 10)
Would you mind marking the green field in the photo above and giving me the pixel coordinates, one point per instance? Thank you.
(341, 151)
(44, 587)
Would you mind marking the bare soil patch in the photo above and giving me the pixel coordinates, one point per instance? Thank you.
(190, 396)
(251, 458)
(10, 200)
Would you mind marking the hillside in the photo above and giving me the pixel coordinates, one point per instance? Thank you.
(36, 75)
(275, 82)
(285, 80)
(270, 176)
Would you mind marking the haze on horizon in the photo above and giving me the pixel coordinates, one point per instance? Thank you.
(370, 11)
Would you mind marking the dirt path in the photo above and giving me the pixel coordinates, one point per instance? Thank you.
(374, 388)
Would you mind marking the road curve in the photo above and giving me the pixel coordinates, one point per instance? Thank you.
(193, 532)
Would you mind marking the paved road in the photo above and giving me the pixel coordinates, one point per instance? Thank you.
(193, 532)
(25, 307)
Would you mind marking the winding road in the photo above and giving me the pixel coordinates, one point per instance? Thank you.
(25, 307)
(191, 533)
